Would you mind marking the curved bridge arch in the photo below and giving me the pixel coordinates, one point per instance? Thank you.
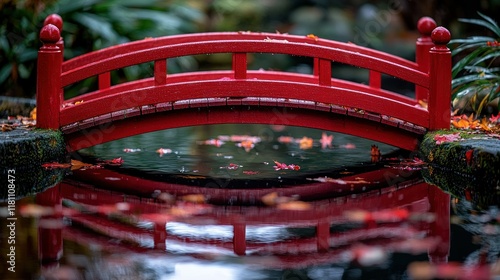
(318, 100)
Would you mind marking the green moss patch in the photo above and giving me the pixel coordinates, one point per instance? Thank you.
(468, 167)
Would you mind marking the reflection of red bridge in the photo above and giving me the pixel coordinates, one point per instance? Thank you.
(240, 95)
(327, 245)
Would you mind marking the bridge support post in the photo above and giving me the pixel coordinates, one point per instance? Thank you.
(160, 235)
(422, 56)
(239, 239)
(48, 88)
(323, 235)
(50, 227)
(439, 103)
(440, 206)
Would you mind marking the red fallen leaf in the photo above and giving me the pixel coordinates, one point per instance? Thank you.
(249, 172)
(212, 142)
(293, 167)
(446, 138)
(494, 119)
(232, 166)
(326, 140)
(284, 166)
(128, 150)
(468, 156)
(113, 162)
(51, 165)
(162, 151)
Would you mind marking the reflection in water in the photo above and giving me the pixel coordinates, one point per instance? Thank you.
(364, 230)
(352, 220)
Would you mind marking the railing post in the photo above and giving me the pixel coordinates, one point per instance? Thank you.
(56, 20)
(440, 80)
(424, 44)
(48, 84)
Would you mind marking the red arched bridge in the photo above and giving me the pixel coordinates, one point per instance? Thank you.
(240, 95)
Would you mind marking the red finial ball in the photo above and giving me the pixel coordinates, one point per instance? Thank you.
(425, 26)
(54, 19)
(440, 36)
(50, 34)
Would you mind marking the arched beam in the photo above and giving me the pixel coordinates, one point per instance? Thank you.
(243, 114)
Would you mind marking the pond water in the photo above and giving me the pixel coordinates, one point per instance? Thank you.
(247, 202)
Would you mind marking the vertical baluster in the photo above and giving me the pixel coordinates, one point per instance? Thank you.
(323, 236)
(160, 235)
(316, 66)
(375, 79)
(422, 56)
(48, 88)
(160, 73)
(439, 105)
(104, 80)
(325, 72)
(239, 239)
(240, 65)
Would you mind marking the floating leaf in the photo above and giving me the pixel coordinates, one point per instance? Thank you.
(284, 166)
(128, 150)
(326, 140)
(305, 143)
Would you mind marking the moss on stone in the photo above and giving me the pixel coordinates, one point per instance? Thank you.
(468, 168)
(21, 148)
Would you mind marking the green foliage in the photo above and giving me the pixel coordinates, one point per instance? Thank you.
(476, 76)
(89, 25)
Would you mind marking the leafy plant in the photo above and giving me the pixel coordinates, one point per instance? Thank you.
(476, 76)
(89, 25)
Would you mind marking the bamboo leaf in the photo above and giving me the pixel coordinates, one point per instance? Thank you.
(463, 47)
(493, 23)
(491, 55)
(482, 103)
(459, 66)
(490, 26)
(477, 79)
(495, 92)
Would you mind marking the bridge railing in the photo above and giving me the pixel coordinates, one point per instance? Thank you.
(431, 73)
